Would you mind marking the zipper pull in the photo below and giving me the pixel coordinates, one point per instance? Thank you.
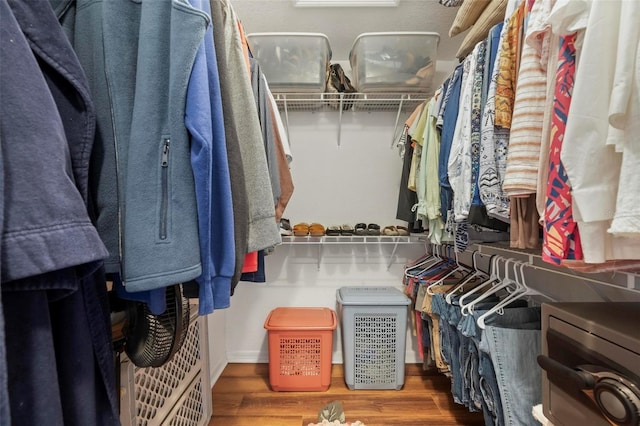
(165, 153)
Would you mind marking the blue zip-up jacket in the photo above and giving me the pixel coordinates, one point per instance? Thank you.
(138, 57)
(205, 123)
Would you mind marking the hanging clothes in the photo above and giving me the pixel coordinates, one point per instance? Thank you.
(508, 67)
(624, 115)
(546, 43)
(252, 201)
(561, 236)
(52, 255)
(284, 159)
(242, 124)
(588, 132)
(494, 141)
(261, 97)
(521, 177)
(156, 236)
(205, 123)
(450, 116)
(459, 164)
(427, 187)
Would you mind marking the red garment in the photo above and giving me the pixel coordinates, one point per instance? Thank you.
(250, 262)
(561, 239)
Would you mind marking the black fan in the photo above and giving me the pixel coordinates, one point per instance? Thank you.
(151, 340)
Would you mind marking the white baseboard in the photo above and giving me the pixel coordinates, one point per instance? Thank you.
(257, 357)
(215, 371)
(248, 357)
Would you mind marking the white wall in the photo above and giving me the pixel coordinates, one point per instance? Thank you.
(356, 182)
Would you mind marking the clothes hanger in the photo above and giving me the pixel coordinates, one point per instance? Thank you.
(420, 260)
(476, 274)
(510, 285)
(493, 279)
(458, 268)
(504, 284)
(438, 268)
(522, 290)
(414, 271)
(519, 290)
(437, 262)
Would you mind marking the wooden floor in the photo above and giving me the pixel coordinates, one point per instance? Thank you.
(242, 397)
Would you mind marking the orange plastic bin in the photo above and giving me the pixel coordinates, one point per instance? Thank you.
(300, 348)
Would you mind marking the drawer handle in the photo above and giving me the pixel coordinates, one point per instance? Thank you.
(581, 379)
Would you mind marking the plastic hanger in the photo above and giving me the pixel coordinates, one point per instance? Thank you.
(441, 264)
(421, 260)
(504, 284)
(493, 278)
(476, 274)
(419, 269)
(458, 268)
(521, 290)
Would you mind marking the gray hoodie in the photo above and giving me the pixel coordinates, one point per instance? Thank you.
(241, 118)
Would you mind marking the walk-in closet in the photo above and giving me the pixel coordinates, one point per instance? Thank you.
(320, 212)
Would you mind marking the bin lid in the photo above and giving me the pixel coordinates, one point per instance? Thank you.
(287, 318)
(377, 296)
(272, 35)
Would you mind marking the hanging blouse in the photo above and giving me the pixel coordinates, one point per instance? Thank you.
(493, 153)
(561, 239)
(624, 114)
(450, 116)
(508, 68)
(432, 190)
(541, 38)
(528, 111)
(417, 151)
(585, 149)
(459, 164)
(476, 119)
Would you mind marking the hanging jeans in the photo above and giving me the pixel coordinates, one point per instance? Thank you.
(513, 350)
(470, 335)
(491, 405)
(450, 315)
(459, 347)
(467, 328)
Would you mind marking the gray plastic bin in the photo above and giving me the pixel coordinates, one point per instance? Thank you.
(374, 327)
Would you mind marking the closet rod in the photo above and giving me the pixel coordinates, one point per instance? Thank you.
(582, 278)
(630, 285)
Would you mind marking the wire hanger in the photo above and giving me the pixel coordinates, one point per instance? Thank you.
(476, 274)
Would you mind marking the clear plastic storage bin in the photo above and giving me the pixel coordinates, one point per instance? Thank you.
(292, 62)
(374, 327)
(394, 61)
(300, 348)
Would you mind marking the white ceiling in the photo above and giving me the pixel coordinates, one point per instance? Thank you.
(343, 24)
